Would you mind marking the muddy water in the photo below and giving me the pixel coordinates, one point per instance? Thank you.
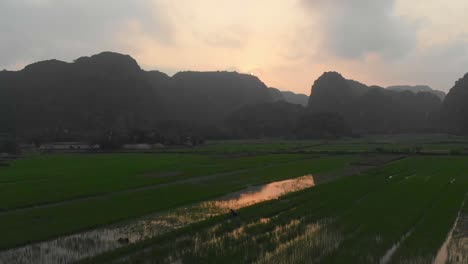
(75, 247)
(442, 255)
(311, 242)
(457, 246)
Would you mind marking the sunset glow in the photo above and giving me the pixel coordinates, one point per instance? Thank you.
(287, 44)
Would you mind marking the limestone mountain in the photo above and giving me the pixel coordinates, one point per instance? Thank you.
(209, 97)
(107, 90)
(373, 109)
(111, 91)
(330, 92)
(276, 94)
(289, 97)
(417, 89)
(455, 107)
(276, 119)
(294, 98)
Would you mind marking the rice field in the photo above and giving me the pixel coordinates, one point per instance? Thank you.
(49, 196)
(289, 205)
(402, 213)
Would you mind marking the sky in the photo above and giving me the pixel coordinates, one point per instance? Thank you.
(286, 43)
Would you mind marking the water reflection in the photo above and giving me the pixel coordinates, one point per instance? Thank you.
(293, 241)
(75, 247)
(458, 245)
(267, 192)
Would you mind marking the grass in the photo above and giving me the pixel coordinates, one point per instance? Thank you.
(122, 171)
(351, 220)
(47, 179)
(411, 202)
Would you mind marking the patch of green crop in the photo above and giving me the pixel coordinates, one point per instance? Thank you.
(55, 178)
(350, 220)
(33, 224)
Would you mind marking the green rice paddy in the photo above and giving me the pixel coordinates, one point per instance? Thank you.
(400, 209)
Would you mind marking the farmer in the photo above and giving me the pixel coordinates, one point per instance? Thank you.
(233, 213)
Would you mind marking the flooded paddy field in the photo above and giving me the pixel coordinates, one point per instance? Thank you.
(75, 247)
(406, 212)
(250, 207)
(54, 196)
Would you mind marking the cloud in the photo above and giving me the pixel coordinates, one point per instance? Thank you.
(354, 29)
(66, 29)
(439, 65)
(230, 37)
(286, 43)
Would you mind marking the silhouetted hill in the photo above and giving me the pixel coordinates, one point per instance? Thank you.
(161, 84)
(290, 97)
(417, 89)
(104, 91)
(374, 109)
(314, 125)
(209, 97)
(7, 102)
(276, 94)
(330, 92)
(455, 108)
(294, 98)
(109, 91)
(357, 88)
(275, 119)
(383, 111)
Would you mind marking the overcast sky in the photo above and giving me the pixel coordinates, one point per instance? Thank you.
(287, 43)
